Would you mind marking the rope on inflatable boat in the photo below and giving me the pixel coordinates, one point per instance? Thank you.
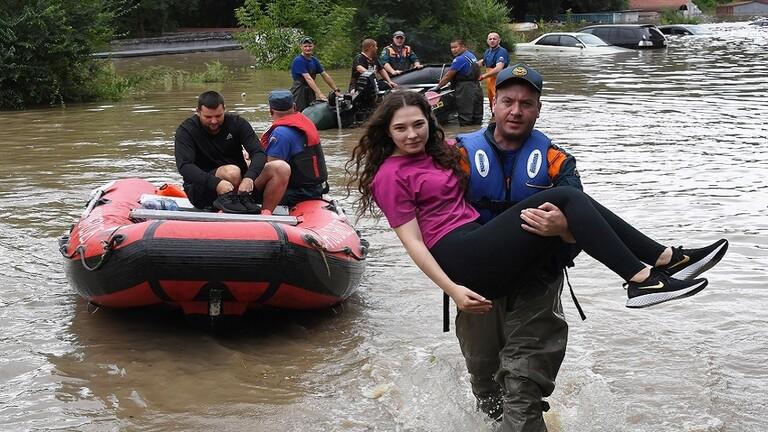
(108, 247)
(316, 244)
(346, 250)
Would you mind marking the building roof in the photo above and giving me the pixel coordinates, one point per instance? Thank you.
(656, 5)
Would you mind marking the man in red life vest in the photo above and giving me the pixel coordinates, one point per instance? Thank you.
(293, 138)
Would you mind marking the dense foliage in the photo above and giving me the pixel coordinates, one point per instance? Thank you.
(142, 18)
(551, 8)
(431, 24)
(276, 26)
(709, 6)
(45, 48)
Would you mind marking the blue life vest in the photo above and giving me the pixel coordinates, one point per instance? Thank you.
(490, 191)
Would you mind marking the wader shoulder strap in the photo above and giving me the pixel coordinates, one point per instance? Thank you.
(573, 297)
(446, 313)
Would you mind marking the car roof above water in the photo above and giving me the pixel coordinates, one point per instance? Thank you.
(618, 25)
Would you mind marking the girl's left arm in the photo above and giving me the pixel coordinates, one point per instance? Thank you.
(466, 299)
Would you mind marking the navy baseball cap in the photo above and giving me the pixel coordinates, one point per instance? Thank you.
(520, 71)
(281, 100)
(307, 40)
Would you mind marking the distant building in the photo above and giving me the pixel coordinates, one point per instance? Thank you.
(649, 10)
(744, 8)
(622, 17)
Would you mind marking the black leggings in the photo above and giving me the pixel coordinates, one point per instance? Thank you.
(490, 258)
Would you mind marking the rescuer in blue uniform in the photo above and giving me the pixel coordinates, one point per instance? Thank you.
(464, 74)
(304, 69)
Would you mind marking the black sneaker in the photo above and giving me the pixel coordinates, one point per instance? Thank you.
(230, 203)
(250, 204)
(659, 288)
(687, 264)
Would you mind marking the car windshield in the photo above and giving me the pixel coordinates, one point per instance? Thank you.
(591, 40)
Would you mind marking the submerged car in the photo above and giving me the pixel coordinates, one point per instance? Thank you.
(575, 43)
(636, 36)
(683, 30)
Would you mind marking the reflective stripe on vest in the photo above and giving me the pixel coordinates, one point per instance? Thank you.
(405, 52)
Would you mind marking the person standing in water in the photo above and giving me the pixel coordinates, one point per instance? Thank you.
(495, 58)
(304, 69)
(513, 353)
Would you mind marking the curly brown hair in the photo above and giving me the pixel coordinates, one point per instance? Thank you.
(376, 145)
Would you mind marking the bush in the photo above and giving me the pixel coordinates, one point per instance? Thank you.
(214, 72)
(672, 16)
(107, 84)
(274, 29)
(482, 17)
(154, 17)
(430, 25)
(709, 6)
(45, 48)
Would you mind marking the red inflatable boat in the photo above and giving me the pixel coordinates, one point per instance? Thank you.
(122, 255)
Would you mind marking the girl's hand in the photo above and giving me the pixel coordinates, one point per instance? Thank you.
(470, 301)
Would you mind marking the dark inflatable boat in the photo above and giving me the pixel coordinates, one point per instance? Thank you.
(358, 105)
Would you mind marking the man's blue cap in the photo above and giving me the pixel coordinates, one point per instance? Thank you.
(520, 71)
(281, 100)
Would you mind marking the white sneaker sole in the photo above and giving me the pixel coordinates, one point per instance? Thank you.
(702, 265)
(652, 298)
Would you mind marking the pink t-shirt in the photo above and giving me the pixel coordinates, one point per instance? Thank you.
(413, 186)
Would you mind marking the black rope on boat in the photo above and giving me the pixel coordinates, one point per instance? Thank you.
(316, 244)
(364, 245)
(108, 246)
(63, 243)
(345, 250)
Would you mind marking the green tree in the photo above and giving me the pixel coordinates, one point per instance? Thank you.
(143, 18)
(551, 8)
(708, 6)
(274, 29)
(431, 24)
(45, 48)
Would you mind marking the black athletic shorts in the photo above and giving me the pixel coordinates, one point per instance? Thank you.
(199, 194)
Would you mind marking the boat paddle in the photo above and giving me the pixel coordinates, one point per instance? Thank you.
(339, 99)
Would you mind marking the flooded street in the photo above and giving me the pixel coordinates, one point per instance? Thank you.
(675, 141)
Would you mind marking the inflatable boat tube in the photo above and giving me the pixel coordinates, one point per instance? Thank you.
(121, 255)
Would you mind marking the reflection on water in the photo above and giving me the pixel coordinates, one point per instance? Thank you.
(673, 140)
